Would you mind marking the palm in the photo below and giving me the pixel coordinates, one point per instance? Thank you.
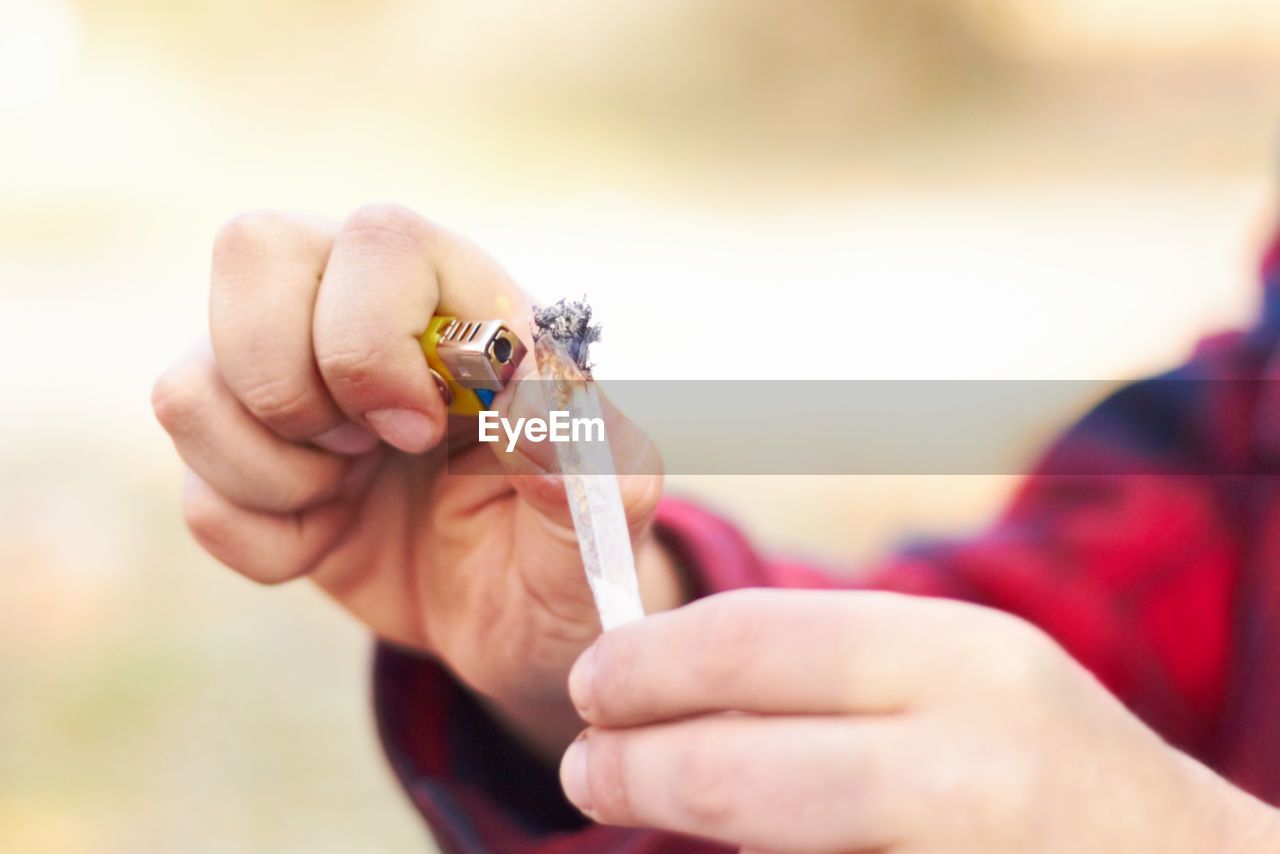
(462, 566)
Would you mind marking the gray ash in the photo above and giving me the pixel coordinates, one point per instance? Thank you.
(569, 323)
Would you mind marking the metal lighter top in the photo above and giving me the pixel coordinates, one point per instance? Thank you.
(471, 360)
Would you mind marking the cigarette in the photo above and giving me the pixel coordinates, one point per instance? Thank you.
(590, 480)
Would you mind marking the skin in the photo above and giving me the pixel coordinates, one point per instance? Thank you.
(819, 721)
(312, 359)
(316, 445)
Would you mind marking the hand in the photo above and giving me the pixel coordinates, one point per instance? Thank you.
(855, 721)
(313, 358)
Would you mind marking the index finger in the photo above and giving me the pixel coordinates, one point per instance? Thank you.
(389, 271)
(773, 652)
(266, 267)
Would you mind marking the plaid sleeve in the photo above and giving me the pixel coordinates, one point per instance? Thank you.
(1128, 541)
(1132, 574)
(1133, 571)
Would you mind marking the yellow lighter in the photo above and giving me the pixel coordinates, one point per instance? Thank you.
(470, 360)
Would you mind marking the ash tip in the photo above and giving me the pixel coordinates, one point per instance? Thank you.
(568, 322)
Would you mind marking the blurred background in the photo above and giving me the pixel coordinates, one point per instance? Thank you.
(938, 188)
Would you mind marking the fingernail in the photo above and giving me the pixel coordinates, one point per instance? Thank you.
(411, 432)
(580, 677)
(573, 774)
(347, 438)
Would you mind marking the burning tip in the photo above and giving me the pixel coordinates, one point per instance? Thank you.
(568, 322)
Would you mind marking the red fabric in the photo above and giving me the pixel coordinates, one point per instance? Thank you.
(1271, 258)
(1166, 586)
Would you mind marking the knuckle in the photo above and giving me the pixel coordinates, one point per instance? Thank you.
(355, 366)
(255, 232)
(731, 628)
(1013, 655)
(284, 403)
(387, 223)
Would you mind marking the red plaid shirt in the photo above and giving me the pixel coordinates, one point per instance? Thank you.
(1166, 586)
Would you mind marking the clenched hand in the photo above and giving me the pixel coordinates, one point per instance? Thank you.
(315, 439)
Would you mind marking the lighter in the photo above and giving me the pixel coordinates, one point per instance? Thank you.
(470, 360)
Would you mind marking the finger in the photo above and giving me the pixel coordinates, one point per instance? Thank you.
(549, 550)
(389, 271)
(797, 652)
(268, 548)
(811, 784)
(235, 453)
(266, 272)
(534, 466)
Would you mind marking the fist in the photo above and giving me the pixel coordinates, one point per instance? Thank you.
(314, 436)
